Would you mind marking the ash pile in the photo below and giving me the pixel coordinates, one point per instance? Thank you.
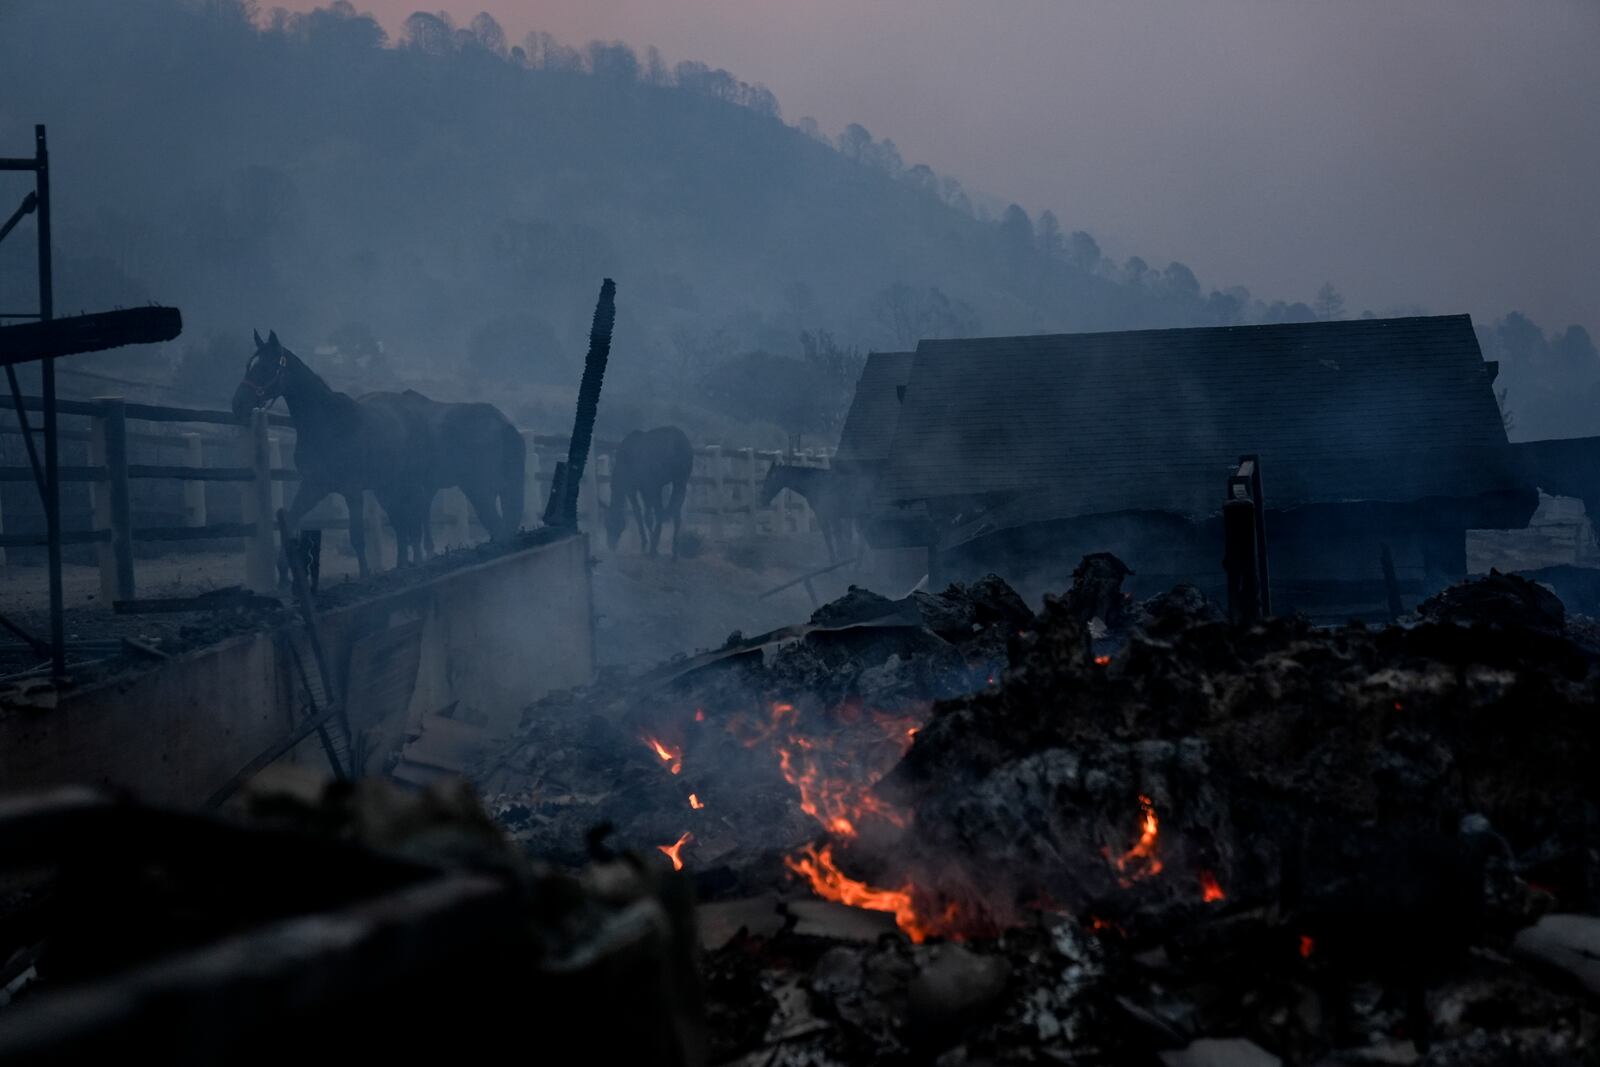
(946, 829)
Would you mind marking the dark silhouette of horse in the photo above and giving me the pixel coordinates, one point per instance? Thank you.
(647, 462)
(472, 447)
(832, 495)
(342, 445)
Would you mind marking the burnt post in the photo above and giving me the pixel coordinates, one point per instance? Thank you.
(1244, 536)
(562, 510)
(1239, 559)
(1391, 584)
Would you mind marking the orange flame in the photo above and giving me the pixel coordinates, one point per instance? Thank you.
(695, 802)
(1210, 891)
(671, 756)
(817, 866)
(1141, 861)
(699, 714)
(1102, 661)
(674, 851)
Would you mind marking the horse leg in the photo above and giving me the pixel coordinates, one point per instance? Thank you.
(652, 508)
(427, 524)
(482, 501)
(636, 505)
(306, 496)
(680, 491)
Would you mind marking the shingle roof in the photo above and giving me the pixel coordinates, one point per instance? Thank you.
(1152, 420)
(875, 409)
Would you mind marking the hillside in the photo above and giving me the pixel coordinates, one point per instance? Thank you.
(453, 201)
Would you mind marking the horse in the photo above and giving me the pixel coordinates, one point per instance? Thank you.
(470, 446)
(647, 462)
(831, 494)
(343, 445)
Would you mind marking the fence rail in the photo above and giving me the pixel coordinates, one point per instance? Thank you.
(724, 493)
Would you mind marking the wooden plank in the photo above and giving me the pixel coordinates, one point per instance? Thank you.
(68, 537)
(88, 333)
(91, 473)
(195, 533)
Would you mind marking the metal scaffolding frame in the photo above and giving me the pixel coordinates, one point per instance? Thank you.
(45, 340)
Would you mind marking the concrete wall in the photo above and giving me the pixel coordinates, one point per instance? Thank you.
(477, 643)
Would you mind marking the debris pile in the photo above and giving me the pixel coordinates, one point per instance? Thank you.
(1112, 832)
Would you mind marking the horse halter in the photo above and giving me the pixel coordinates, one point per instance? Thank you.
(269, 392)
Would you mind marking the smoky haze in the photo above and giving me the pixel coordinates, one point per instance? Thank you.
(436, 198)
(1436, 152)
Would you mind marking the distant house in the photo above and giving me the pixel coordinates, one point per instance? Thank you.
(1020, 454)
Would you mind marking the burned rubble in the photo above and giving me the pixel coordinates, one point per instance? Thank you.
(1109, 832)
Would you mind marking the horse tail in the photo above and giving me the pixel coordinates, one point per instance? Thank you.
(513, 464)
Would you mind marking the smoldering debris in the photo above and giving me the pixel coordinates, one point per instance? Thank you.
(1113, 831)
(948, 829)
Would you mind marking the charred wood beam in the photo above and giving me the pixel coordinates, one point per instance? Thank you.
(562, 509)
(88, 333)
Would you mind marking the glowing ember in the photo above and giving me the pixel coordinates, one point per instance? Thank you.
(1102, 661)
(699, 714)
(1141, 861)
(1308, 945)
(817, 866)
(1210, 891)
(1097, 925)
(695, 802)
(673, 757)
(837, 803)
(674, 851)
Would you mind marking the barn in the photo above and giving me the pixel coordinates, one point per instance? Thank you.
(1020, 454)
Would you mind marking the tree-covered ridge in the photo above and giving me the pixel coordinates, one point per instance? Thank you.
(450, 199)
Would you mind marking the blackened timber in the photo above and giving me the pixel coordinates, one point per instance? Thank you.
(53, 338)
(565, 513)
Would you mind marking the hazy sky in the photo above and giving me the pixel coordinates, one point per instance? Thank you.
(1442, 152)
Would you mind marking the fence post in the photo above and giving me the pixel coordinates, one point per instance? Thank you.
(261, 551)
(275, 460)
(714, 454)
(530, 480)
(108, 447)
(750, 490)
(194, 492)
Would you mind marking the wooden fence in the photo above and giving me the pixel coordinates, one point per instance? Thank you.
(723, 499)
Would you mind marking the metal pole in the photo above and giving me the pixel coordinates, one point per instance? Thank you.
(47, 375)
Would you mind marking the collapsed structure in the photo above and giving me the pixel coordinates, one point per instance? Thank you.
(1019, 455)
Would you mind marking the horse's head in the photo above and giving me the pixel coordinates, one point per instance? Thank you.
(616, 519)
(263, 376)
(777, 481)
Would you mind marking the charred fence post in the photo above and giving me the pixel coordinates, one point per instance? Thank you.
(562, 510)
(1391, 584)
(1244, 537)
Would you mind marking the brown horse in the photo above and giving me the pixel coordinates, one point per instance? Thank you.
(834, 497)
(342, 445)
(471, 447)
(647, 463)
